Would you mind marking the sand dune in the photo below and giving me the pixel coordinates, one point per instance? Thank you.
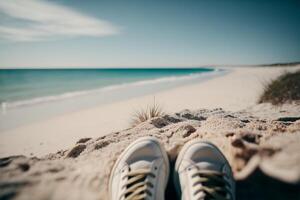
(260, 151)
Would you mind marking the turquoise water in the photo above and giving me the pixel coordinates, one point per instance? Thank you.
(43, 94)
(21, 86)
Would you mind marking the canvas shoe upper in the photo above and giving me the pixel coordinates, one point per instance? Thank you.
(141, 172)
(203, 173)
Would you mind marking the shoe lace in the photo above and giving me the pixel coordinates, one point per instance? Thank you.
(138, 184)
(211, 185)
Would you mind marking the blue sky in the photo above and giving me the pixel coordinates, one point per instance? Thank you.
(147, 33)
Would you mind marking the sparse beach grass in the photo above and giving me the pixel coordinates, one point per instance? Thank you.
(142, 115)
(284, 89)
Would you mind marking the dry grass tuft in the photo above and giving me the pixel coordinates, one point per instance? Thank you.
(144, 114)
(284, 89)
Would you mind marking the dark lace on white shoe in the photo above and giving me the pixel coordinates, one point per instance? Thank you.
(210, 185)
(138, 185)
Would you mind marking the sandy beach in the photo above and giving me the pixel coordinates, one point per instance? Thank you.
(76, 151)
(237, 90)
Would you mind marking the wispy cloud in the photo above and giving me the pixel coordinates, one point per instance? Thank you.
(31, 20)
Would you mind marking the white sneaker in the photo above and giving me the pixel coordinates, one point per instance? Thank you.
(141, 172)
(203, 173)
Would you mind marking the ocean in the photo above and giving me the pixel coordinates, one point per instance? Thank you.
(20, 87)
(42, 93)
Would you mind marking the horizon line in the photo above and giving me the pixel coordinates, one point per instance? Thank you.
(161, 67)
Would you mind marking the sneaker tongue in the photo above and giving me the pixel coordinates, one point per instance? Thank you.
(141, 164)
(209, 166)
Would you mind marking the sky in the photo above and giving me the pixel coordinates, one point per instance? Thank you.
(147, 33)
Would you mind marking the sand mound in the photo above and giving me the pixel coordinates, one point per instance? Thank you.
(264, 154)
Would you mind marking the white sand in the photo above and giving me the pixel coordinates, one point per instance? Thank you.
(234, 91)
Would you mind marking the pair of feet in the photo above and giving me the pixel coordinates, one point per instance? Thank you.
(142, 172)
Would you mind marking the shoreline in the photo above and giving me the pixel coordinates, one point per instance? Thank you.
(234, 91)
(47, 107)
(37, 99)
